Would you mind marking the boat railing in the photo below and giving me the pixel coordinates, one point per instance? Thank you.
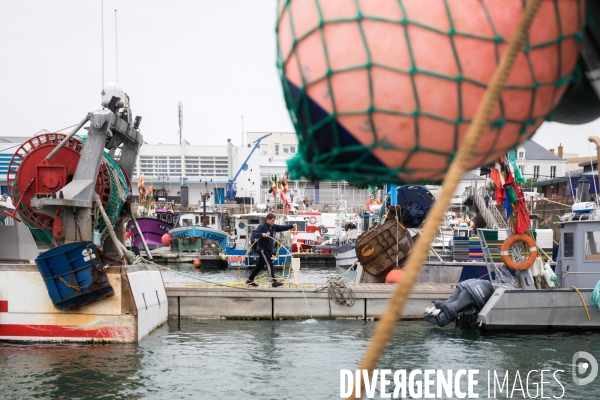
(490, 214)
(502, 274)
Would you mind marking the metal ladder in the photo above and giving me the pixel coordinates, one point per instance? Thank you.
(503, 275)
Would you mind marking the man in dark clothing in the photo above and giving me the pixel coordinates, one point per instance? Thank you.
(265, 247)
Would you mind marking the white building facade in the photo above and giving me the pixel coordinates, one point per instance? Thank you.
(536, 162)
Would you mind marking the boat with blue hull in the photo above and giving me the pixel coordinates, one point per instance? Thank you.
(221, 238)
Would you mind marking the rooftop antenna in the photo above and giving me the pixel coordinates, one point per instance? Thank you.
(180, 113)
(102, 34)
(116, 47)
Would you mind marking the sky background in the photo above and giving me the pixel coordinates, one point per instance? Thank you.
(217, 57)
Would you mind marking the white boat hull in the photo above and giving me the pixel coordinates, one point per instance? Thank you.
(538, 309)
(138, 306)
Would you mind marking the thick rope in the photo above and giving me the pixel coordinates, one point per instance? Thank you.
(587, 313)
(385, 327)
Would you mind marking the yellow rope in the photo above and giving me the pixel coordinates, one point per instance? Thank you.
(385, 327)
(582, 302)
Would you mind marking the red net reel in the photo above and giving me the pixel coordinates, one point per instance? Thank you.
(29, 164)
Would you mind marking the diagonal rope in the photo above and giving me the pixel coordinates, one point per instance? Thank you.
(412, 269)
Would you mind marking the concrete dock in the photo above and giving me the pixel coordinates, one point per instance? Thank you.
(197, 300)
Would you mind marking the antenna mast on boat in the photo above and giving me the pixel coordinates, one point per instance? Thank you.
(116, 47)
(180, 122)
(102, 34)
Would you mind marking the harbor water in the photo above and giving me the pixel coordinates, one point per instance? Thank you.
(222, 359)
(286, 359)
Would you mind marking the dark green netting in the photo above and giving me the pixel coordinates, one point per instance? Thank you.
(330, 156)
(119, 192)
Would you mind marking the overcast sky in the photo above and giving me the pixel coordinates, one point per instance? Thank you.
(217, 57)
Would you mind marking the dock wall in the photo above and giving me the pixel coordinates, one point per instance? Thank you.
(289, 302)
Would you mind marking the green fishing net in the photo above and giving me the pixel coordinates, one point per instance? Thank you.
(327, 150)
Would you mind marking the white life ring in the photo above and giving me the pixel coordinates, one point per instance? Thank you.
(372, 201)
(312, 220)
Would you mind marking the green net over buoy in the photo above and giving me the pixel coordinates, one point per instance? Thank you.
(384, 91)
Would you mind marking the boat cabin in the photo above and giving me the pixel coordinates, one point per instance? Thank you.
(211, 219)
(578, 261)
(167, 216)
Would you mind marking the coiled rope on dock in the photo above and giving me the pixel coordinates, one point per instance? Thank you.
(412, 269)
(339, 291)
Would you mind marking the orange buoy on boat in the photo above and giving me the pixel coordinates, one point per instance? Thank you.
(394, 276)
(166, 239)
(505, 252)
(384, 91)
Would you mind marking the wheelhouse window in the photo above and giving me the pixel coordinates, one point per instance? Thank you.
(568, 244)
(592, 245)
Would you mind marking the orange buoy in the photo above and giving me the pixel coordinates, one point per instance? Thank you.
(386, 90)
(166, 239)
(197, 263)
(127, 234)
(505, 252)
(394, 276)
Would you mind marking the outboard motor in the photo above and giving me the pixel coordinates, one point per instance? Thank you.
(468, 299)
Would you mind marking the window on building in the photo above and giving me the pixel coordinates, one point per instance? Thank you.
(162, 165)
(191, 166)
(536, 171)
(553, 172)
(289, 149)
(221, 167)
(276, 147)
(175, 166)
(522, 169)
(147, 165)
(264, 148)
(521, 155)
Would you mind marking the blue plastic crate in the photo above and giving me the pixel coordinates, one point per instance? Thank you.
(68, 273)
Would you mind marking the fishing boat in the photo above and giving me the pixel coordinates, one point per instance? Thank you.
(69, 194)
(239, 252)
(308, 233)
(153, 228)
(536, 297)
